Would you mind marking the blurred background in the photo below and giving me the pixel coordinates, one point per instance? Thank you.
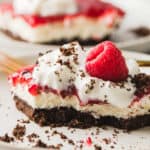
(137, 17)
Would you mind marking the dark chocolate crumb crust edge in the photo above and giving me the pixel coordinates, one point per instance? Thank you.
(89, 41)
(64, 116)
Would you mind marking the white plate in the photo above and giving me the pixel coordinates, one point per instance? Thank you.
(9, 115)
(137, 13)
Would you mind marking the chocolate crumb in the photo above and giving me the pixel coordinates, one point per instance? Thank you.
(82, 74)
(49, 51)
(46, 131)
(41, 144)
(128, 89)
(97, 131)
(74, 43)
(112, 147)
(24, 121)
(6, 138)
(41, 54)
(59, 61)
(92, 133)
(32, 137)
(114, 142)
(67, 64)
(75, 59)
(58, 146)
(96, 147)
(114, 135)
(116, 131)
(72, 131)
(60, 134)
(19, 131)
(90, 86)
(107, 140)
(141, 31)
(81, 146)
(142, 83)
(54, 132)
(63, 136)
(67, 51)
(71, 142)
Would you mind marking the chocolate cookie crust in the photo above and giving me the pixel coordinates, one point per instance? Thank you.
(64, 116)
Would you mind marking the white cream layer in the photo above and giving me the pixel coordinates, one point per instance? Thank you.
(50, 100)
(81, 27)
(45, 7)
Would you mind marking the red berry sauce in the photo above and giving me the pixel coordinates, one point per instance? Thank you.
(34, 90)
(21, 76)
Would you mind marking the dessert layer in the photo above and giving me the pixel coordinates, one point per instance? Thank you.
(87, 42)
(64, 116)
(50, 100)
(80, 27)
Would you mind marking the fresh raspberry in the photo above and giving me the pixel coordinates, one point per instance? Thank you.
(105, 61)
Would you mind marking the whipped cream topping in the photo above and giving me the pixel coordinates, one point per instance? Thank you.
(45, 7)
(133, 67)
(65, 67)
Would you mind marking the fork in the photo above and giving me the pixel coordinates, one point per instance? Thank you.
(10, 65)
(143, 63)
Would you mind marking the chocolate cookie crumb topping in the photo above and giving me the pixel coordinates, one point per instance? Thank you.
(6, 138)
(142, 83)
(19, 132)
(97, 147)
(24, 121)
(32, 137)
(107, 140)
(141, 31)
(41, 144)
(67, 51)
(90, 86)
